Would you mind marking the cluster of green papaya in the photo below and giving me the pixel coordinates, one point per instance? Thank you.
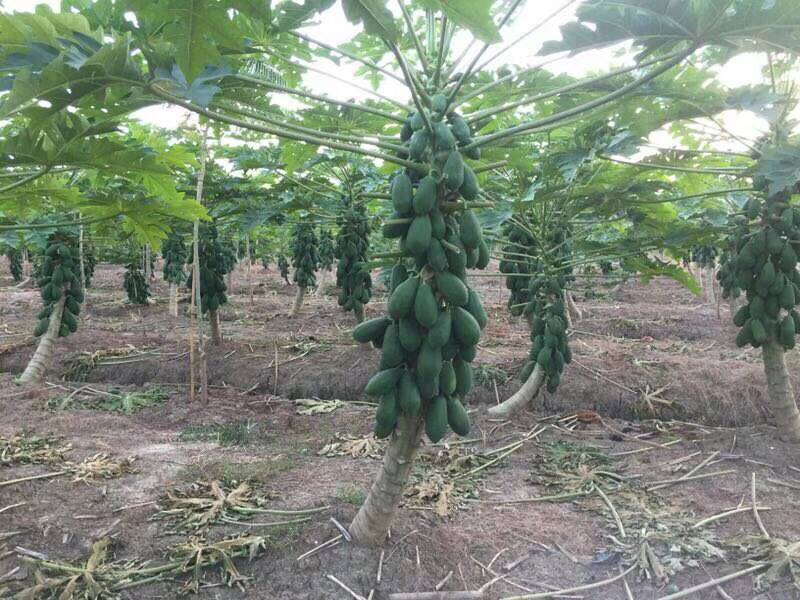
(135, 284)
(327, 249)
(549, 345)
(214, 264)
(431, 332)
(352, 243)
(283, 267)
(14, 257)
(60, 275)
(762, 263)
(704, 256)
(304, 254)
(89, 263)
(175, 253)
(516, 263)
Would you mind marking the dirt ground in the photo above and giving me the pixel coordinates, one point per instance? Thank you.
(657, 392)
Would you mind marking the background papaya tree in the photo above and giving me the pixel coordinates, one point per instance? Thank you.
(214, 264)
(175, 255)
(227, 74)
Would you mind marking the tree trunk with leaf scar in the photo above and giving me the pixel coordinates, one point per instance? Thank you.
(523, 396)
(779, 389)
(298, 301)
(374, 518)
(37, 366)
(213, 319)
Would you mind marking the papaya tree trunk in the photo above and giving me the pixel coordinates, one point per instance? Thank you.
(359, 312)
(298, 301)
(779, 390)
(213, 319)
(523, 396)
(34, 372)
(82, 274)
(321, 282)
(374, 518)
(573, 309)
(230, 281)
(173, 299)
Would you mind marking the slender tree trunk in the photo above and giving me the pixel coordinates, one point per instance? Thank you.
(298, 301)
(322, 282)
(374, 518)
(779, 389)
(229, 283)
(34, 372)
(148, 271)
(523, 396)
(197, 355)
(359, 312)
(213, 319)
(173, 299)
(249, 266)
(573, 308)
(26, 263)
(81, 266)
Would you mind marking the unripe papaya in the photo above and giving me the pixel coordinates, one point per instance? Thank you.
(553, 382)
(545, 357)
(469, 188)
(466, 328)
(428, 386)
(439, 334)
(476, 309)
(483, 255)
(402, 194)
(418, 238)
(439, 102)
(452, 288)
(787, 332)
(425, 198)
(460, 129)
(418, 144)
(788, 258)
(436, 419)
(457, 417)
(408, 395)
(370, 329)
(438, 225)
(787, 299)
(68, 319)
(447, 379)
(741, 316)
(426, 309)
(401, 301)
(463, 372)
(437, 258)
(41, 326)
(392, 349)
(410, 335)
(388, 410)
(526, 371)
(757, 330)
(429, 362)
(468, 353)
(399, 275)
(383, 382)
(453, 170)
(470, 229)
(443, 138)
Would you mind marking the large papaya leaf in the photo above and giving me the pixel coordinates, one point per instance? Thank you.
(475, 15)
(373, 15)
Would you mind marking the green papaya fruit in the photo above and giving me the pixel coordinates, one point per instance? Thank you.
(402, 194)
(772, 307)
(757, 308)
(475, 308)
(437, 258)
(416, 121)
(452, 288)
(526, 371)
(436, 419)
(439, 103)
(469, 188)
(439, 333)
(418, 238)
(438, 225)
(774, 241)
(741, 316)
(41, 327)
(757, 330)
(382, 431)
(788, 258)
(68, 319)
(406, 131)
(457, 261)
(470, 229)
(383, 382)
(426, 309)
(483, 255)
(429, 362)
(443, 138)
(392, 348)
(787, 298)
(388, 410)
(408, 395)
(457, 417)
(450, 348)
(460, 129)
(463, 371)
(787, 332)
(545, 357)
(425, 198)
(473, 152)
(465, 327)
(371, 329)
(428, 386)
(399, 275)
(453, 170)
(409, 333)
(447, 379)
(77, 293)
(63, 331)
(553, 382)
(401, 302)
(468, 353)
(418, 144)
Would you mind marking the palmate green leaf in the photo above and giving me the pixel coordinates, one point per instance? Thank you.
(373, 15)
(780, 167)
(660, 24)
(290, 15)
(295, 154)
(475, 15)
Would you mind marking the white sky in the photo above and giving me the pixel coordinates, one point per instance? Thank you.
(334, 29)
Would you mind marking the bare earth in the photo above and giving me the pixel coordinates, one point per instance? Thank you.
(657, 387)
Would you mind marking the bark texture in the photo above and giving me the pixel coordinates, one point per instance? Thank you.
(375, 516)
(781, 395)
(37, 366)
(523, 396)
(213, 319)
(173, 299)
(298, 301)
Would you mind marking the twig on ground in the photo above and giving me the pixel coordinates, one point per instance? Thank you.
(327, 544)
(666, 482)
(613, 510)
(757, 517)
(444, 580)
(580, 588)
(32, 478)
(714, 582)
(726, 514)
(345, 588)
(343, 529)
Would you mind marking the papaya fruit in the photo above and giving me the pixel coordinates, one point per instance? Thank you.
(437, 259)
(426, 309)
(68, 319)
(429, 362)
(545, 357)
(399, 275)
(774, 241)
(439, 333)
(772, 307)
(418, 144)
(382, 431)
(383, 382)
(63, 331)
(457, 261)
(757, 330)
(436, 419)
(787, 332)
(418, 238)
(526, 370)
(428, 386)
(553, 381)
(468, 353)
(409, 334)
(452, 288)
(741, 316)
(395, 230)
(408, 395)
(425, 198)
(463, 372)
(470, 229)
(401, 302)
(416, 121)
(457, 417)
(371, 329)
(77, 293)
(483, 255)
(388, 410)
(472, 152)
(453, 170)
(439, 103)
(460, 129)
(756, 307)
(475, 308)
(787, 298)
(443, 138)
(469, 188)
(788, 258)
(406, 131)
(447, 379)
(465, 327)
(41, 326)
(402, 194)
(392, 348)
(438, 225)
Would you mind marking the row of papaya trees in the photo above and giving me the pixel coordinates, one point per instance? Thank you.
(544, 173)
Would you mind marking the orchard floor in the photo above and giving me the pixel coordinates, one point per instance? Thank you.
(656, 390)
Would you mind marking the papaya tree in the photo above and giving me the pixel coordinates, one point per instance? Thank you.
(14, 257)
(304, 260)
(175, 255)
(352, 246)
(327, 254)
(136, 284)
(214, 264)
(62, 295)
(283, 267)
